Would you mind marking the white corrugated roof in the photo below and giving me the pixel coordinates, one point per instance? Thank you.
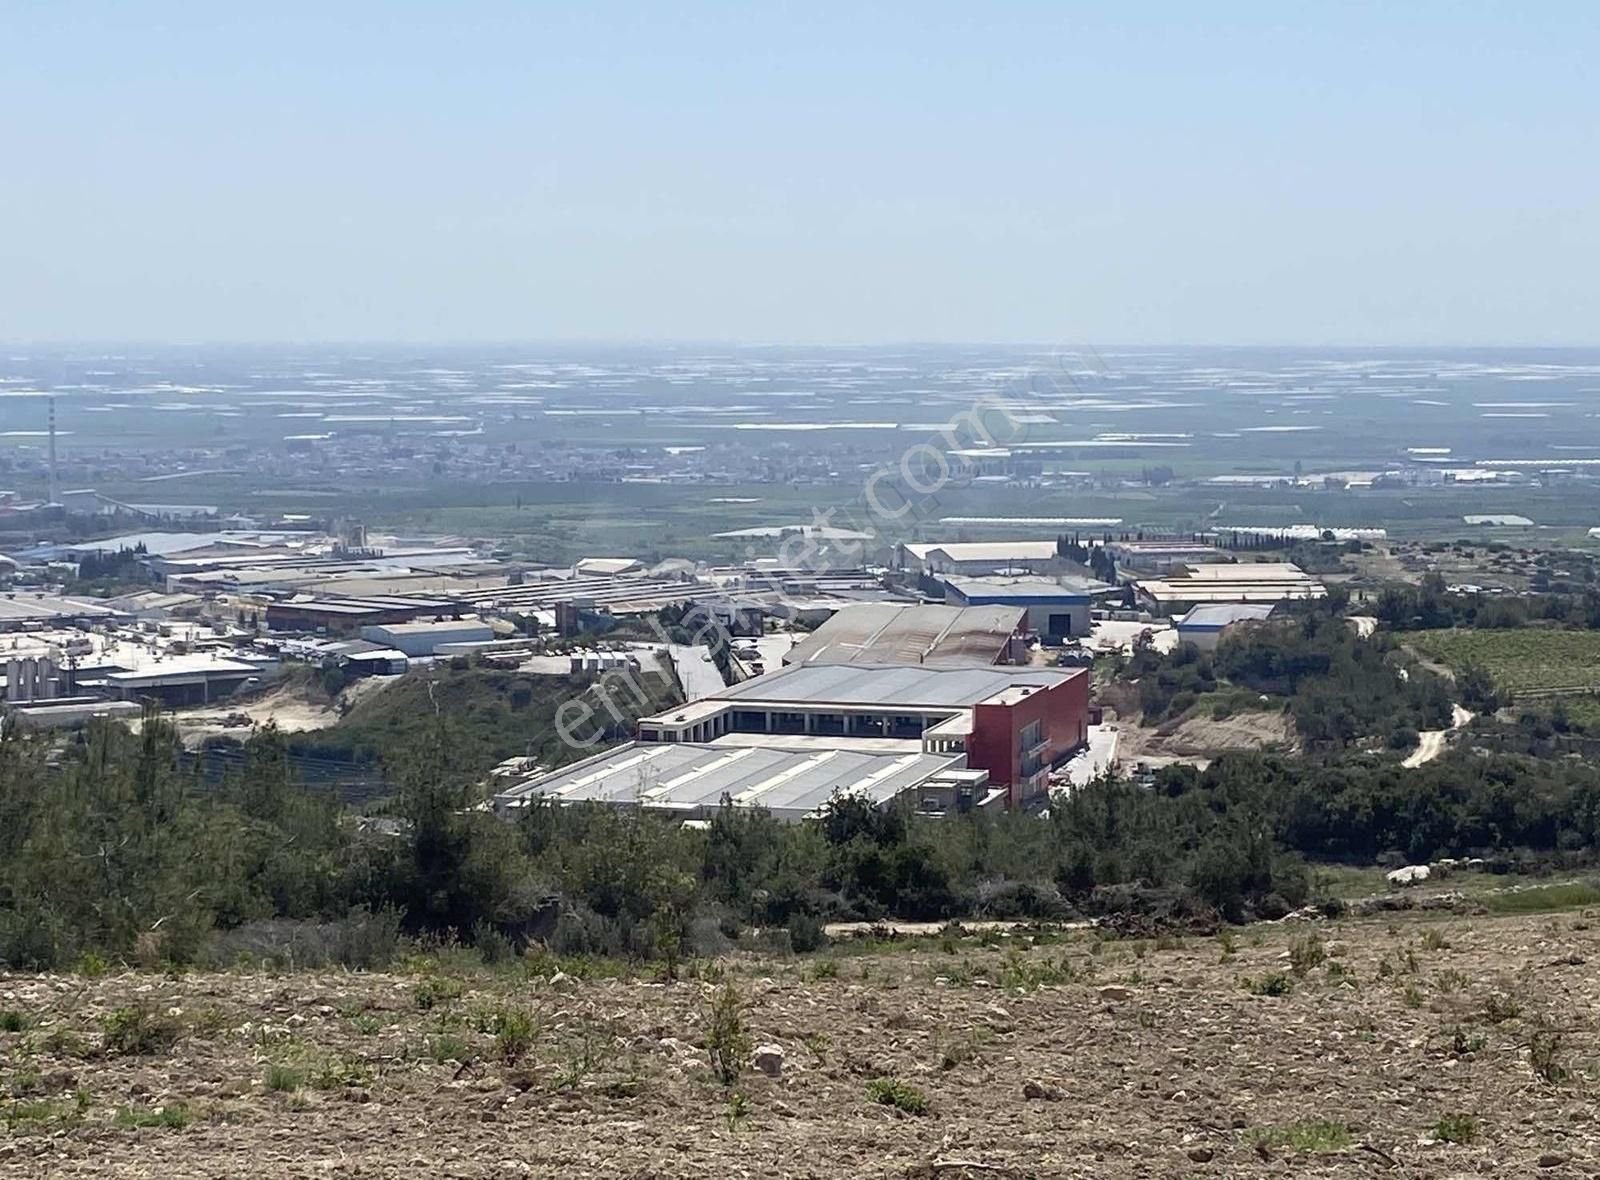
(1222, 614)
(987, 550)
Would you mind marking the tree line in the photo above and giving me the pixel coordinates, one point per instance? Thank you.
(111, 850)
(1432, 606)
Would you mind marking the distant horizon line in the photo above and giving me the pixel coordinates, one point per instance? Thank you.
(59, 344)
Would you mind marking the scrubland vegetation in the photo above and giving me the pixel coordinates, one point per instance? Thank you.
(111, 852)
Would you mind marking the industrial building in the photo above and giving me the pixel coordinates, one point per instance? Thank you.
(65, 712)
(1204, 626)
(606, 566)
(184, 680)
(901, 633)
(1013, 723)
(425, 638)
(691, 779)
(347, 616)
(26, 610)
(1161, 556)
(979, 558)
(361, 657)
(1253, 581)
(616, 595)
(1057, 608)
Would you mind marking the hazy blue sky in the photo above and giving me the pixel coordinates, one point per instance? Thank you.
(1061, 173)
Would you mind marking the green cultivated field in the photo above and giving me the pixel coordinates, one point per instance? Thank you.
(1523, 659)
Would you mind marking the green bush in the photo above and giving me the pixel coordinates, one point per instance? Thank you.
(900, 1095)
(806, 934)
(727, 1041)
(281, 1078)
(138, 1031)
(436, 991)
(514, 1030)
(1273, 983)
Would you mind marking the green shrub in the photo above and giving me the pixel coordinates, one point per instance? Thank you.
(738, 1110)
(1273, 983)
(825, 969)
(492, 946)
(514, 1030)
(900, 1095)
(336, 1073)
(820, 1044)
(583, 1053)
(138, 1031)
(281, 1078)
(1456, 1128)
(806, 934)
(436, 991)
(727, 1041)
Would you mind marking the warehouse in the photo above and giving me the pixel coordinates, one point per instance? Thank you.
(1204, 626)
(424, 638)
(345, 616)
(1014, 723)
(1057, 608)
(1257, 581)
(691, 780)
(184, 680)
(899, 633)
(979, 557)
(1161, 556)
(28, 609)
(612, 595)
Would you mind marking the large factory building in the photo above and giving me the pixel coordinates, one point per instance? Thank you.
(944, 739)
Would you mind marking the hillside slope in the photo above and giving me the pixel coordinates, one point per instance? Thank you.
(492, 714)
(1075, 1058)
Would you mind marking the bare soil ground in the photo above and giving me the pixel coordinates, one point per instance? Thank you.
(1312, 1049)
(1199, 736)
(291, 707)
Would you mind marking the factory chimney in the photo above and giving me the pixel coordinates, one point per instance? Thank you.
(54, 487)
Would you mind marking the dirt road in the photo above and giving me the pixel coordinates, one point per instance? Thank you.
(1430, 742)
